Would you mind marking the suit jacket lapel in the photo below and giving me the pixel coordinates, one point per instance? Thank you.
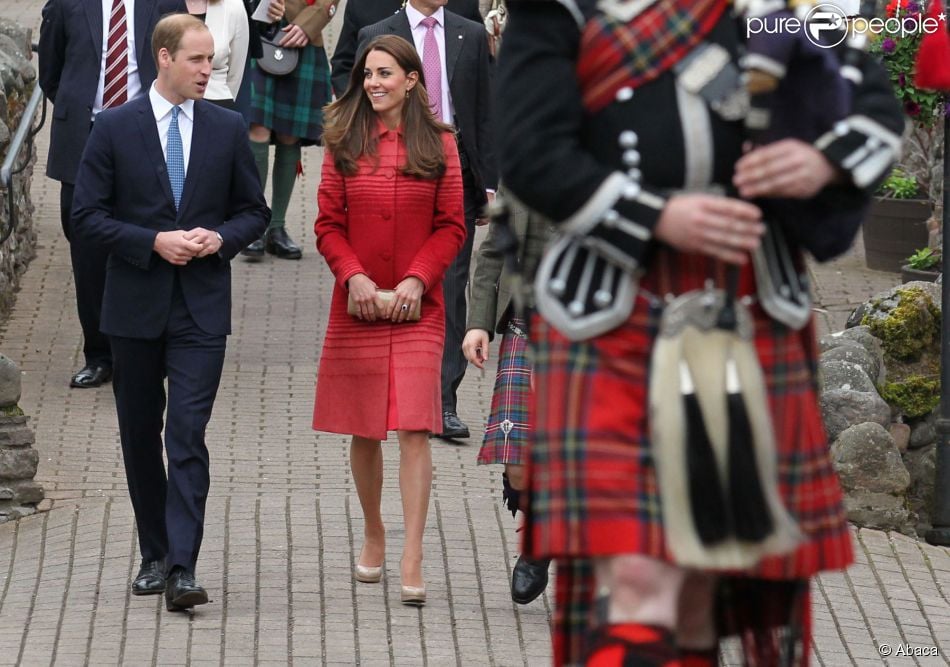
(399, 25)
(454, 41)
(200, 136)
(153, 145)
(94, 17)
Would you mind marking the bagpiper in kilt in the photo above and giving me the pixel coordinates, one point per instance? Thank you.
(611, 136)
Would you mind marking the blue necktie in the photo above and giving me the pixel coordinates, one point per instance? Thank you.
(175, 160)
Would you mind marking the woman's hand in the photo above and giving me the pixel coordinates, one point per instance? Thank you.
(788, 168)
(720, 227)
(475, 347)
(295, 37)
(275, 10)
(408, 293)
(363, 292)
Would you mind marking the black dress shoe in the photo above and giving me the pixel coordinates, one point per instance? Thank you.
(91, 375)
(151, 578)
(255, 251)
(277, 242)
(529, 579)
(452, 426)
(182, 591)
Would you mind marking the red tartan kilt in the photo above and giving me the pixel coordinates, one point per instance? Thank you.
(593, 483)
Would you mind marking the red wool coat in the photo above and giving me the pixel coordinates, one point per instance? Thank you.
(378, 376)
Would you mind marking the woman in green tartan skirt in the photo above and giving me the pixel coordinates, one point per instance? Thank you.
(288, 112)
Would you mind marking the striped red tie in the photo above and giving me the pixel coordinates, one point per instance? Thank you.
(116, 80)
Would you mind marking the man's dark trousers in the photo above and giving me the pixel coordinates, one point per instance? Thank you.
(193, 360)
(454, 287)
(89, 276)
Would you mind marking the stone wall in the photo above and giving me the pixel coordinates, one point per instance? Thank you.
(17, 79)
(19, 494)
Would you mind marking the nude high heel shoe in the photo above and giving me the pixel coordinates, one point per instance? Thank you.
(414, 595)
(368, 575)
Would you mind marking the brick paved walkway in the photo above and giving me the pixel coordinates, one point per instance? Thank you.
(283, 517)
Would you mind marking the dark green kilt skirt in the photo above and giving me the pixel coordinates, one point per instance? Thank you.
(293, 104)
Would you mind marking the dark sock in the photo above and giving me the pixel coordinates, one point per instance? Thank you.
(286, 157)
(632, 645)
(261, 152)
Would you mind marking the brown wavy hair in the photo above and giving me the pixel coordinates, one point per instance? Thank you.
(350, 122)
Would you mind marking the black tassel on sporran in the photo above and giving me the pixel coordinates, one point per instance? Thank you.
(710, 514)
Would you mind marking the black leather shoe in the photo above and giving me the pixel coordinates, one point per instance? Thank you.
(91, 375)
(452, 426)
(529, 579)
(151, 578)
(255, 251)
(182, 592)
(277, 242)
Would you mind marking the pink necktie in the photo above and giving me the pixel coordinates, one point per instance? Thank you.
(116, 80)
(432, 66)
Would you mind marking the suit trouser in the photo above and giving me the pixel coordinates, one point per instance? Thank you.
(169, 511)
(89, 276)
(453, 286)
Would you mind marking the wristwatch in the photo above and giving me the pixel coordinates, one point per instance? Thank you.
(220, 238)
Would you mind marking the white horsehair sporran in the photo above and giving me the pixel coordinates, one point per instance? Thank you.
(712, 437)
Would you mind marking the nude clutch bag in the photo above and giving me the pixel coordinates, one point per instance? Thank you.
(385, 295)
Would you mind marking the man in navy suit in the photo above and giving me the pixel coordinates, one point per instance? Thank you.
(464, 96)
(167, 186)
(81, 76)
(362, 13)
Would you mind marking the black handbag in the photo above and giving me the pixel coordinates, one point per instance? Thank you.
(277, 60)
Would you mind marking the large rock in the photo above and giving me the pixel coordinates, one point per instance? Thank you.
(15, 432)
(833, 340)
(9, 382)
(921, 464)
(842, 409)
(862, 336)
(18, 463)
(901, 436)
(867, 460)
(843, 375)
(22, 37)
(9, 46)
(856, 354)
(923, 432)
(880, 511)
(906, 319)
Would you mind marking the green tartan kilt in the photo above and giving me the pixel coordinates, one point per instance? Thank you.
(293, 104)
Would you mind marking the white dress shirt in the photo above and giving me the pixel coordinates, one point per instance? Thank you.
(418, 37)
(134, 83)
(162, 109)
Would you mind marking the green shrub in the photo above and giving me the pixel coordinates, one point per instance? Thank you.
(914, 396)
(899, 185)
(924, 259)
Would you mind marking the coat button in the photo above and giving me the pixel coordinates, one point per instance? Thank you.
(631, 157)
(389, 173)
(628, 139)
(386, 215)
(385, 256)
(625, 94)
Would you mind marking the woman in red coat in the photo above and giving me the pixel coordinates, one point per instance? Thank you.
(391, 217)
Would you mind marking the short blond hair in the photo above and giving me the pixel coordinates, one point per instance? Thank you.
(169, 31)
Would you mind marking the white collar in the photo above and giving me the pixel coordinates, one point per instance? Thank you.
(416, 17)
(162, 107)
